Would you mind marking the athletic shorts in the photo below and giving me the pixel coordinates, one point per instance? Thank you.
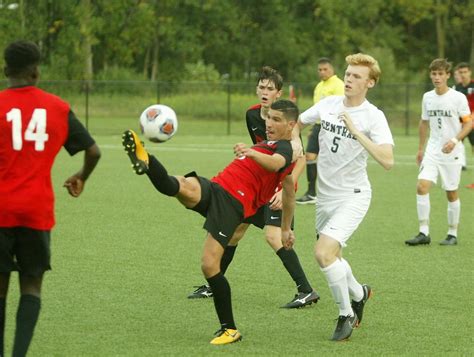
(450, 173)
(313, 140)
(25, 250)
(222, 211)
(266, 217)
(338, 218)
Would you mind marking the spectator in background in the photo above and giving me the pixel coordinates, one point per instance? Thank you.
(329, 85)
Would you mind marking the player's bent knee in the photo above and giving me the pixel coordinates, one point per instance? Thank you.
(325, 256)
(423, 187)
(209, 267)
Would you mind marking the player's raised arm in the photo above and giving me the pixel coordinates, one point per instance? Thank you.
(269, 162)
(382, 153)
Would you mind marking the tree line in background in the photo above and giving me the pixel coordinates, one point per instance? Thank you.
(173, 40)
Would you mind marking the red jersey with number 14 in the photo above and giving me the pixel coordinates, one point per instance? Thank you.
(250, 183)
(33, 128)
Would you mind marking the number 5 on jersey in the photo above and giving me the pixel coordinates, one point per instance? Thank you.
(36, 130)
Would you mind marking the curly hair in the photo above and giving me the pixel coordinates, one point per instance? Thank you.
(362, 59)
(21, 57)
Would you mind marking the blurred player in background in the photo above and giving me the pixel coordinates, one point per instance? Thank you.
(465, 85)
(34, 125)
(446, 115)
(268, 217)
(351, 130)
(329, 85)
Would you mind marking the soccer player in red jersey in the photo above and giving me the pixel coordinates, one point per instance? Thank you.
(466, 86)
(34, 125)
(233, 195)
(268, 217)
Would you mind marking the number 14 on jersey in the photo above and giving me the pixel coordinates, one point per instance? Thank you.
(35, 131)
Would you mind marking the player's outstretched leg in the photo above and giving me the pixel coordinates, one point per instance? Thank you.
(136, 152)
(358, 306)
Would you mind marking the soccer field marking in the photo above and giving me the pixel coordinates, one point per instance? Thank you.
(168, 148)
(403, 160)
(400, 160)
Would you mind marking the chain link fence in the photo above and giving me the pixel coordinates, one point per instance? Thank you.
(109, 107)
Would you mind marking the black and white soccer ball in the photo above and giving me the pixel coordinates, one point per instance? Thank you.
(158, 123)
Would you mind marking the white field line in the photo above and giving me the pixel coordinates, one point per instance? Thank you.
(404, 160)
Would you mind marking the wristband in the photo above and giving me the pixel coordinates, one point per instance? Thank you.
(454, 140)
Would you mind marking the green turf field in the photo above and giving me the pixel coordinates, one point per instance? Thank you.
(125, 258)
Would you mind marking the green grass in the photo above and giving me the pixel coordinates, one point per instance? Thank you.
(125, 257)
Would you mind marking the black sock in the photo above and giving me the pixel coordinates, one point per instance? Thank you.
(222, 300)
(292, 264)
(229, 252)
(26, 318)
(311, 173)
(167, 185)
(2, 325)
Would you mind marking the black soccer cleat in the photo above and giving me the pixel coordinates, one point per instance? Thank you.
(302, 299)
(449, 240)
(202, 292)
(136, 152)
(420, 239)
(358, 306)
(344, 327)
(306, 199)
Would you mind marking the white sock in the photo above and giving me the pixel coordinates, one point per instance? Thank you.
(356, 291)
(336, 277)
(423, 209)
(454, 210)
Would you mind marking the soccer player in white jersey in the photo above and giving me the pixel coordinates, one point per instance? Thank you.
(351, 129)
(446, 114)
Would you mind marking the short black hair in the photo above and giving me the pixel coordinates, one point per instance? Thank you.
(462, 65)
(289, 108)
(21, 57)
(272, 75)
(324, 60)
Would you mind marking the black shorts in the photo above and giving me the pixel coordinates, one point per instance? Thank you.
(222, 211)
(25, 250)
(313, 140)
(266, 217)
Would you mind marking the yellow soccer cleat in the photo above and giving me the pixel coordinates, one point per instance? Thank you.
(136, 152)
(226, 336)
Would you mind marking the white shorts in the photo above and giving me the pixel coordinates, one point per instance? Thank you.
(450, 173)
(339, 217)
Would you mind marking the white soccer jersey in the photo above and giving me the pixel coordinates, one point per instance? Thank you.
(444, 113)
(342, 160)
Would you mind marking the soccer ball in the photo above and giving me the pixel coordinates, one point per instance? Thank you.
(158, 123)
